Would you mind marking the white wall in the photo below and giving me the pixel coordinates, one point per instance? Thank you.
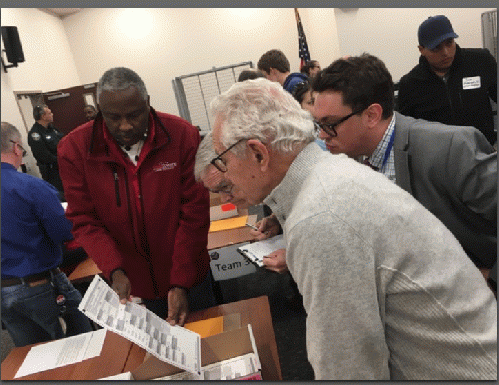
(184, 41)
(48, 65)
(322, 35)
(80, 47)
(394, 39)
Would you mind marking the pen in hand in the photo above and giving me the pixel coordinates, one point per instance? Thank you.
(252, 226)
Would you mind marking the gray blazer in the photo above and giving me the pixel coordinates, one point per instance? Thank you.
(452, 171)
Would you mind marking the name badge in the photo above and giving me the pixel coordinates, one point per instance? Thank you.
(471, 83)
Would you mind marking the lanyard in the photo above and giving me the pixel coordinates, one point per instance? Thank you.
(388, 148)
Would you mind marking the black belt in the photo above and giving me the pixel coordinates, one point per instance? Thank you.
(30, 278)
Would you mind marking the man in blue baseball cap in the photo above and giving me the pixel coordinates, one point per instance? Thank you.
(451, 85)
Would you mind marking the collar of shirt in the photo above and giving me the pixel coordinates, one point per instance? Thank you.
(377, 158)
(133, 151)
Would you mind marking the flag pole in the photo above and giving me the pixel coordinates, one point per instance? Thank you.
(303, 52)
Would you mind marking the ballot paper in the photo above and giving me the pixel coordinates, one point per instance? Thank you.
(231, 369)
(173, 344)
(62, 352)
(225, 370)
(255, 251)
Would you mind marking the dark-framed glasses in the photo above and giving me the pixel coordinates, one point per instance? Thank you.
(219, 163)
(330, 128)
(21, 147)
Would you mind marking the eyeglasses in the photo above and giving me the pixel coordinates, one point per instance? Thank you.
(21, 147)
(219, 163)
(330, 128)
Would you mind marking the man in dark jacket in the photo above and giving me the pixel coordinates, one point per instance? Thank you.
(450, 85)
(43, 139)
(275, 67)
(135, 205)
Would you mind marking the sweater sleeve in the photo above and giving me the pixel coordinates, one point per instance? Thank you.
(88, 229)
(334, 269)
(190, 255)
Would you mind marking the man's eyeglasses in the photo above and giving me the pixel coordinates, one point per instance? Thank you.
(21, 147)
(219, 163)
(330, 128)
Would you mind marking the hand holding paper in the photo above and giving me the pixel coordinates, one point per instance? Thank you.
(256, 251)
(121, 285)
(178, 306)
(276, 261)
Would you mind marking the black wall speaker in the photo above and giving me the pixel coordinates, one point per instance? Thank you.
(12, 45)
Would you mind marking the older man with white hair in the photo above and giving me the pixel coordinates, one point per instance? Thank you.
(388, 290)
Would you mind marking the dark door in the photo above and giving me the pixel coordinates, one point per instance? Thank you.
(68, 104)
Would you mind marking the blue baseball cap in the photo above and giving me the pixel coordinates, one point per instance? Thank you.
(435, 30)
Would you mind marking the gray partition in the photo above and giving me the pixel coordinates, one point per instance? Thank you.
(194, 92)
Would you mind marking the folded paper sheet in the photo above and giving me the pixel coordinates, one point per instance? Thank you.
(227, 224)
(176, 345)
(207, 327)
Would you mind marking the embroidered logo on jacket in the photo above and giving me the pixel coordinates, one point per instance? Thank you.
(163, 166)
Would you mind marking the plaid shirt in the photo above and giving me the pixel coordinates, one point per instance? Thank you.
(378, 155)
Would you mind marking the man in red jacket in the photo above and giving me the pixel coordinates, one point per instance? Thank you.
(133, 200)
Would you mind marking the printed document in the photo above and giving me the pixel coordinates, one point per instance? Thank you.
(62, 352)
(173, 344)
(255, 251)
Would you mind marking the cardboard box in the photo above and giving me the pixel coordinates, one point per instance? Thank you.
(216, 348)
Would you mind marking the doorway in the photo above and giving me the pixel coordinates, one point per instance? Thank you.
(26, 100)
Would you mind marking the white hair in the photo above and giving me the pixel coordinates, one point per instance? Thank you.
(204, 156)
(263, 110)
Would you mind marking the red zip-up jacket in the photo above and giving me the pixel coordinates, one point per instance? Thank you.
(151, 220)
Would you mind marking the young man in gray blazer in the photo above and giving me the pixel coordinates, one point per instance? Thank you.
(451, 170)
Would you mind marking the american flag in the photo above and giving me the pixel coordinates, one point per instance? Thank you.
(303, 52)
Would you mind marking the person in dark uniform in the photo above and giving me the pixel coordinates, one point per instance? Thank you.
(43, 139)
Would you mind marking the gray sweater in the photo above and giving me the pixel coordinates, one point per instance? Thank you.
(389, 292)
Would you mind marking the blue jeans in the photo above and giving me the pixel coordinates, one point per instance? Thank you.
(31, 314)
(200, 297)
